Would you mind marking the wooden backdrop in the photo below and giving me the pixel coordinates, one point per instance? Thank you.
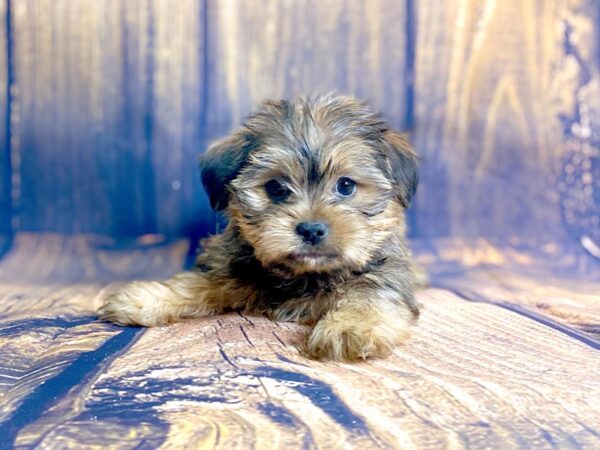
(106, 105)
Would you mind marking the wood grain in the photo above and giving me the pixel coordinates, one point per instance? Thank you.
(551, 281)
(495, 80)
(50, 287)
(34, 350)
(271, 49)
(116, 99)
(571, 300)
(579, 110)
(472, 376)
(47, 275)
(41, 259)
(5, 164)
(109, 100)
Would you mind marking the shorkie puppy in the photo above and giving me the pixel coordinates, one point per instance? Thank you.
(315, 191)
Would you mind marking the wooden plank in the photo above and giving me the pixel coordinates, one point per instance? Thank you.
(46, 275)
(5, 164)
(46, 258)
(550, 281)
(571, 300)
(50, 288)
(109, 100)
(496, 81)
(472, 376)
(180, 89)
(269, 49)
(579, 110)
(34, 350)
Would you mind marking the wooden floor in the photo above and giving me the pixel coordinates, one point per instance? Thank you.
(501, 358)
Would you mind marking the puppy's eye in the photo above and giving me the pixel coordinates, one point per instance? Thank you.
(345, 187)
(277, 191)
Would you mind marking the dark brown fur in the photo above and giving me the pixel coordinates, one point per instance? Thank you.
(356, 287)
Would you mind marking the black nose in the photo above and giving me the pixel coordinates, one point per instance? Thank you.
(312, 232)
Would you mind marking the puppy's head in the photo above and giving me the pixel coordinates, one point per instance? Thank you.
(314, 184)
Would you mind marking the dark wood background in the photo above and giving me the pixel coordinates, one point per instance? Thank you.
(106, 105)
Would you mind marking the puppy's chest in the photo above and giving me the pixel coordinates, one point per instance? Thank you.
(305, 288)
(274, 286)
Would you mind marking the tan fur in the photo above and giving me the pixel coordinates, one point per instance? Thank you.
(358, 288)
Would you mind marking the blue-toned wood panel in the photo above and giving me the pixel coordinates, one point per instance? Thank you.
(110, 104)
(578, 170)
(506, 112)
(112, 101)
(116, 99)
(270, 49)
(5, 171)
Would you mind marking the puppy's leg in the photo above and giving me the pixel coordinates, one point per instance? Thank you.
(153, 303)
(367, 324)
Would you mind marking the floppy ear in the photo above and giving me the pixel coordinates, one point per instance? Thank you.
(403, 165)
(221, 163)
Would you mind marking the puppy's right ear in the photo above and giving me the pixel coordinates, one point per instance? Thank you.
(222, 163)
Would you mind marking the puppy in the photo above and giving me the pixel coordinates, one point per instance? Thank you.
(315, 191)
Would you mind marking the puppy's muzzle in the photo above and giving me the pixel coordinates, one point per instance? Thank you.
(312, 232)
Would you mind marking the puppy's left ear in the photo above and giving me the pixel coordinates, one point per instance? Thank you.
(222, 163)
(403, 165)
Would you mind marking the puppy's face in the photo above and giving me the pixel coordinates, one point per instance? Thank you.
(314, 185)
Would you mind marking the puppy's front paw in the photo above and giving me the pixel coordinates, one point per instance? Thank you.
(136, 304)
(352, 335)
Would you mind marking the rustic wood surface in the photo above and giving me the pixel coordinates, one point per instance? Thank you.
(117, 99)
(570, 300)
(473, 375)
(5, 157)
(275, 49)
(109, 96)
(549, 282)
(53, 274)
(506, 114)
(105, 106)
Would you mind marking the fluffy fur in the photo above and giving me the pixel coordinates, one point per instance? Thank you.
(355, 286)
